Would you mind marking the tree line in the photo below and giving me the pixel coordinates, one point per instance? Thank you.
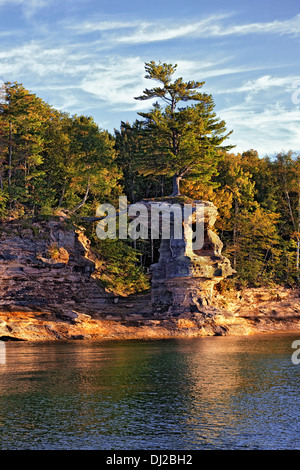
(51, 161)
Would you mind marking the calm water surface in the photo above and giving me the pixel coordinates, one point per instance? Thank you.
(204, 393)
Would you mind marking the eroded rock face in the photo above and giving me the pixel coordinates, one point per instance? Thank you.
(183, 280)
(47, 291)
(46, 266)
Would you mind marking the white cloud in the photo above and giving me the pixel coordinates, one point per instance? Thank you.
(267, 131)
(9, 2)
(264, 117)
(42, 61)
(29, 7)
(290, 26)
(92, 26)
(113, 80)
(265, 83)
(116, 81)
(83, 76)
(147, 32)
(141, 32)
(33, 4)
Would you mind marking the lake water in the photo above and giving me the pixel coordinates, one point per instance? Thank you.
(187, 394)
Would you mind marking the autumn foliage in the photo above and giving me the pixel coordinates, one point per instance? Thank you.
(52, 161)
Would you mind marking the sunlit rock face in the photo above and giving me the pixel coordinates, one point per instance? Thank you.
(47, 266)
(183, 280)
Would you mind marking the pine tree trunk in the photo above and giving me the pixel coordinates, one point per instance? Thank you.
(176, 185)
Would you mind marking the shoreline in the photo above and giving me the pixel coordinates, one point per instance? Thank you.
(254, 311)
(58, 296)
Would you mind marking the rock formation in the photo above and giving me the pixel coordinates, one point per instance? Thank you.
(183, 280)
(47, 289)
(47, 266)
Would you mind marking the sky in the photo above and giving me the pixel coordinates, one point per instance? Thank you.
(88, 58)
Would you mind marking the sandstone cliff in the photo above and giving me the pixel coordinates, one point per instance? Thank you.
(48, 266)
(47, 292)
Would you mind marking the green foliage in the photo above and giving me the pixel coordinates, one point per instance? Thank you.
(4, 198)
(259, 205)
(179, 141)
(129, 146)
(257, 243)
(121, 272)
(51, 161)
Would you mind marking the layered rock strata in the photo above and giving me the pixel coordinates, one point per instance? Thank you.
(47, 290)
(253, 311)
(183, 280)
(48, 266)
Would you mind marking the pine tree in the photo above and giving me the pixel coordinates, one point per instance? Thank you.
(179, 141)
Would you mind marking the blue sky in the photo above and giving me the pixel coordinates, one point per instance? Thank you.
(87, 57)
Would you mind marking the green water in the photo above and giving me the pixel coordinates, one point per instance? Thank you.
(204, 393)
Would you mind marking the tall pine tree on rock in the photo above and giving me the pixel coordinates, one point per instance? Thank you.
(180, 142)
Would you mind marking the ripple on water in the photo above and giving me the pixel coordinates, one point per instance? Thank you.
(203, 393)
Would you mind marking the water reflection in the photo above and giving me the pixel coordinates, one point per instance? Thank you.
(244, 390)
(205, 393)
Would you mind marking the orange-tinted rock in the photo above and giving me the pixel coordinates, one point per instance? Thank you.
(184, 277)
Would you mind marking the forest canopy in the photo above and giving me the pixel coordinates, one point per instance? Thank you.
(51, 161)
